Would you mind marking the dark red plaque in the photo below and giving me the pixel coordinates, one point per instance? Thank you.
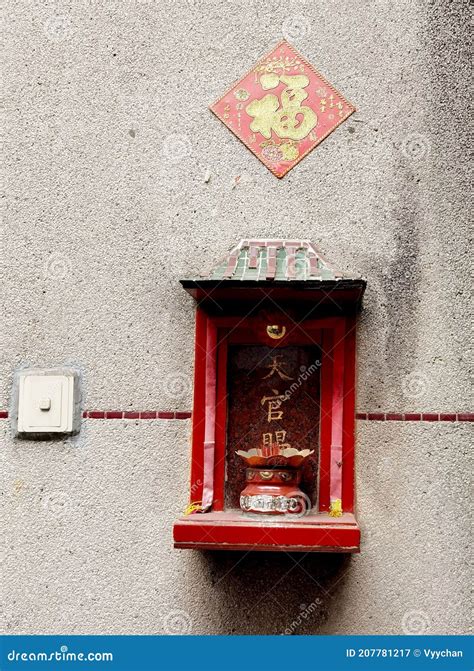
(273, 400)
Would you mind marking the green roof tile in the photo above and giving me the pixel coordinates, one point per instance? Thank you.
(287, 260)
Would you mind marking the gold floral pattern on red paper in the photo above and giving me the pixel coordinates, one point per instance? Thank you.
(282, 109)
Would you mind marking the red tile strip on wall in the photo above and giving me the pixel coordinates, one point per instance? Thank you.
(417, 416)
(134, 414)
(375, 416)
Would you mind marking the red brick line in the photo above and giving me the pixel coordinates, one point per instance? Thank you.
(376, 416)
(134, 414)
(417, 416)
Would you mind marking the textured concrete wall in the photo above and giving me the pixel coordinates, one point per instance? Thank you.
(108, 139)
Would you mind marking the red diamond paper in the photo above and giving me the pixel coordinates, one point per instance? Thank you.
(282, 109)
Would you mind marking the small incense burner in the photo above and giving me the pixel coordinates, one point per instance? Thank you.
(273, 492)
(272, 482)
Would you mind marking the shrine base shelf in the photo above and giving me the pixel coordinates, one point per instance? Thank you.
(316, 532)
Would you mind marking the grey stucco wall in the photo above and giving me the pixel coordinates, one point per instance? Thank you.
(107, 142)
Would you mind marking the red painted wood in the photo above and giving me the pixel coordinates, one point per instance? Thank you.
(348, 475)
(227, 530)
(234, 517)
(337, 392)
(221, 425)
(308, 326)
(252, 336)
(210, 414)
(267, 548)
(326, 419)
(197, 458)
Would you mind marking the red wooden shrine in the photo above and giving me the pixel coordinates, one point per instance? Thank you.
(274, 375)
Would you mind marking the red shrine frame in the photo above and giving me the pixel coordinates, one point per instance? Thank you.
(318, 531)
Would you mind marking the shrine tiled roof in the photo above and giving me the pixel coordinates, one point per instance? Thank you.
(273, 260)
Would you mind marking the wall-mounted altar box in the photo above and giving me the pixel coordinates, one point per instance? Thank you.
(274, 403)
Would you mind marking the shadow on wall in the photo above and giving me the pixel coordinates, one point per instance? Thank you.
(274, 592)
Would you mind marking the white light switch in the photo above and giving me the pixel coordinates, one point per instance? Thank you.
(48, 401)
(45, 403)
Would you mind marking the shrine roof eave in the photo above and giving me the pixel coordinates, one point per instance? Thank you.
(344, 290)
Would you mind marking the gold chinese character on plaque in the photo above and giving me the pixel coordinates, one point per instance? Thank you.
(274, 403)
(277, 367)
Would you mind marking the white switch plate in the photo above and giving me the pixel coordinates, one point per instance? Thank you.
(46, 401)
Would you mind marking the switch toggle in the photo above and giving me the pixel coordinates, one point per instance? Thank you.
(45, 404)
